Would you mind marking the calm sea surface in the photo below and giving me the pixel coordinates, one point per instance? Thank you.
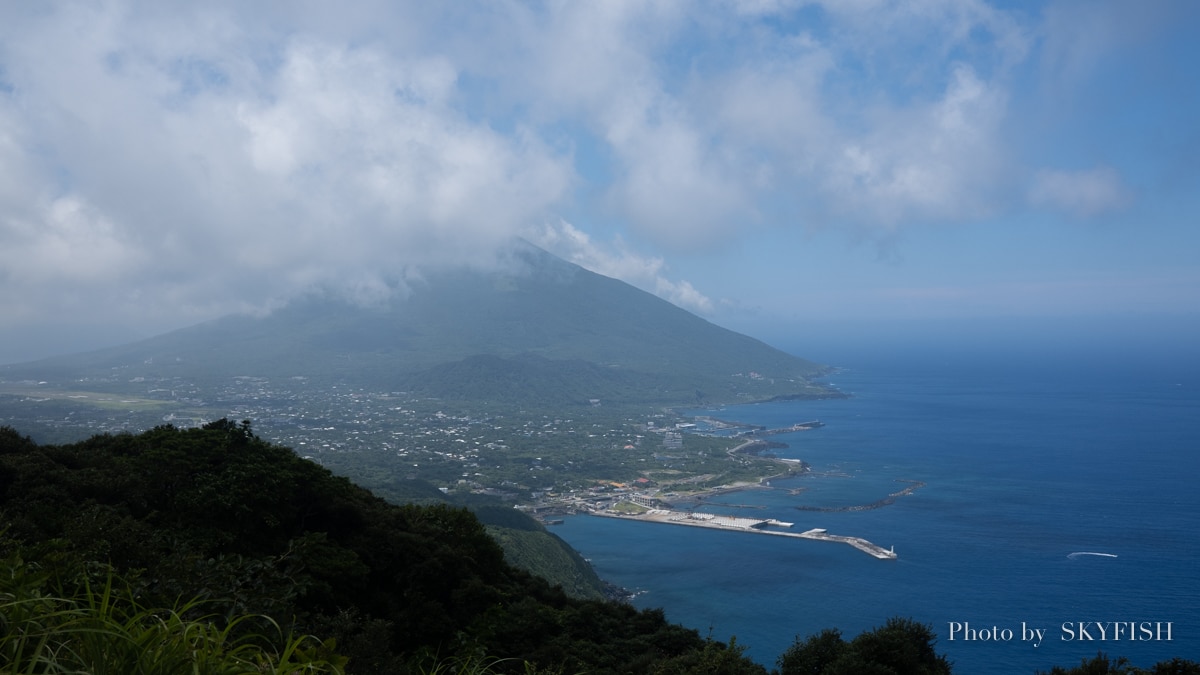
(1024, 463)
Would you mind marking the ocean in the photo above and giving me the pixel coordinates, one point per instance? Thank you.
(1026, 459)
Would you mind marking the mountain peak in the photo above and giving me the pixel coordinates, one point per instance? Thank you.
(541, 319)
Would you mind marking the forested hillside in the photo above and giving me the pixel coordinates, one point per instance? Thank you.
(210, 550)
(247, 527)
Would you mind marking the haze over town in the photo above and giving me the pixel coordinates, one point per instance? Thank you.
(775, 166)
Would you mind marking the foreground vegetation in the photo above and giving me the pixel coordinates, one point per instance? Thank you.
(210, 550)
(257, 538)
(103, 629)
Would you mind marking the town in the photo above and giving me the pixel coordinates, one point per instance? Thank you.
(582, 457)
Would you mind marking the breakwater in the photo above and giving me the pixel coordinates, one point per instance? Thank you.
(758, 432)
(754, 430)
(913, 487)
(751, 525)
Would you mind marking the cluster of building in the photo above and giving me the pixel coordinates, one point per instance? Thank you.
(342, 427)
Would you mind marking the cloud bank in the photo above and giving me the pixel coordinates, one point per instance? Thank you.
(618, 261)
(165, 163)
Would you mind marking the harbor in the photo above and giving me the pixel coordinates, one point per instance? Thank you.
(715, 426)
(751, 525)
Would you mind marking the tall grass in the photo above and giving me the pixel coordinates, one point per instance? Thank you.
(480, 665)
(104, 631)
(101, 629)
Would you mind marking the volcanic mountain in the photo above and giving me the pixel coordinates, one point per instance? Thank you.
(536, 330)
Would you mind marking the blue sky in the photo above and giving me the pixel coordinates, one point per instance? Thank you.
(781, 167)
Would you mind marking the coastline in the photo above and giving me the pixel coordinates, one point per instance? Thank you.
(959, 555)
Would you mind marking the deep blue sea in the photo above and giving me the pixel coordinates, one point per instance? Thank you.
(1025, 459)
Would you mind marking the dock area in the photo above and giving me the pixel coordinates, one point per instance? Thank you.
(759, 432)
(752, 525)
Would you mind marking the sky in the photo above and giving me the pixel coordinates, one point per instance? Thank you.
(786, 168)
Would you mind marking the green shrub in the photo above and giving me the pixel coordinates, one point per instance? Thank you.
(104, 631)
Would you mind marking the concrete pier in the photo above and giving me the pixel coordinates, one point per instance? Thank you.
(752, 525)
(857, 542)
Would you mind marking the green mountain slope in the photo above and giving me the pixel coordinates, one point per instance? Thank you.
(540, 328)
(527, 544)
(249, 528)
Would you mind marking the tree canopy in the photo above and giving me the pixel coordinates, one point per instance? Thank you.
(242, 526)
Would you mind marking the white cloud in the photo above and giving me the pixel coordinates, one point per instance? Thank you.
(767, 122)
(69, 242)
(675, 191)
(599, 64)
(617, 261)
(176, 163)
(384, 168)
(182, 160)
(1080, 193)
(938, 162)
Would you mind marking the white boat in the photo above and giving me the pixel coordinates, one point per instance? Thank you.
(1076, 554)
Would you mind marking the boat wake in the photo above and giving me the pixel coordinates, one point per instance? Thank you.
(1076, 554)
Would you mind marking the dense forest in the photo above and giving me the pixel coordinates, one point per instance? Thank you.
(210, 550)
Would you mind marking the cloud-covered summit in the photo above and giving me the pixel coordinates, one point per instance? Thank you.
(165, 163)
